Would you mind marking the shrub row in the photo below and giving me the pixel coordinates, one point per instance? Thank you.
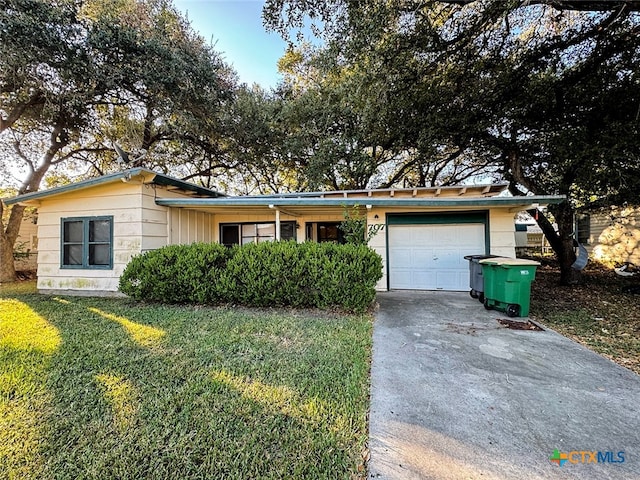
(267, 274)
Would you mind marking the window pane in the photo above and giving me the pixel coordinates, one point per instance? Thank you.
(249, 230)
(327, 233)
(266, 230)
(230, 235)
(287, 231)
(246, 240)
(73, 232)
(99, 254)
(584, 228)
(330, 232)
(99, 231)
(72, 255)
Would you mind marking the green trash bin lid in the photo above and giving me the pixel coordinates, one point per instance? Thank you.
(506, 261)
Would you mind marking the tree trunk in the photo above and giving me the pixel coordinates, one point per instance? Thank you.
(7, 266)
(562, 241)
(8, 238)
(565, 219)
(9, 233)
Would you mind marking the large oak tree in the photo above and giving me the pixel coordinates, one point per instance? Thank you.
(547, 92)
(77, 75)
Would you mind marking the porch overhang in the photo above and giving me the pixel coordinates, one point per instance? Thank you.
(304, 205)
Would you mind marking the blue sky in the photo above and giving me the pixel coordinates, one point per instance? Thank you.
(235, 28)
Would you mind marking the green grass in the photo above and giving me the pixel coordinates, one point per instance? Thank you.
(107, 388)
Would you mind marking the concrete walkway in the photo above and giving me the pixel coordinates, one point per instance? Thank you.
(455, 395)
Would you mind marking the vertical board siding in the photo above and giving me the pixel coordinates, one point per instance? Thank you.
(189, 226)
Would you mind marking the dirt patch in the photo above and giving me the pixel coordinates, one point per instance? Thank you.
(516, 325)
(464, 328)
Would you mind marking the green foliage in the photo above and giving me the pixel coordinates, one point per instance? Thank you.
(354, 227)
(534, 93)
(267, 274)
(76, 76)
(176, 274)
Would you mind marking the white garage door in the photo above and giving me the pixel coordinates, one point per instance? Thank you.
(431, 257)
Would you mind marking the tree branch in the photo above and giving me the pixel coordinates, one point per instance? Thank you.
(581, 5)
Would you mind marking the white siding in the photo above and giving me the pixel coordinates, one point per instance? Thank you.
(502, 233)
(120, 200)
(379, 244)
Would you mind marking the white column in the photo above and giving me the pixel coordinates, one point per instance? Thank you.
(277, 224)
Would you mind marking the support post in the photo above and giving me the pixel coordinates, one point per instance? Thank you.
(278, 236)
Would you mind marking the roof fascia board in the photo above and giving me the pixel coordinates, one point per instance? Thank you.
(379, 202)
(124, 175)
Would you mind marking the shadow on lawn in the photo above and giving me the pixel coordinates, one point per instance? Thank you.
(133, 392)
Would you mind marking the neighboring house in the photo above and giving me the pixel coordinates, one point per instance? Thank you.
(611, 234)
(88, 231)
(531, 240)
(26, 246)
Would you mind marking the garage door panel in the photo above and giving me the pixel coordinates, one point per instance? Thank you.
(448, 235)
(431, 257)
(421, 280)
(448, 256)
(452, 280)
(403, 258)
(421, 256)
(424, 239)
(404, 279)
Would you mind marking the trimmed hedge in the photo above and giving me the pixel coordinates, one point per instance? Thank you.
(266, 274)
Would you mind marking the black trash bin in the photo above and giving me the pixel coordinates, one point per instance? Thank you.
(476, 281)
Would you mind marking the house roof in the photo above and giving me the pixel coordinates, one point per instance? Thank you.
(146, 176)
(460, 196)
(292, 203)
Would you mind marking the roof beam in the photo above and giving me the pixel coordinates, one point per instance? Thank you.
(286, 212)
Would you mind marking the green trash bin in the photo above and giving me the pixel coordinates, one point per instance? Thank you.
(507, 284)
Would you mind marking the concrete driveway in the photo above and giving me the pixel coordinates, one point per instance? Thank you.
(455, 395)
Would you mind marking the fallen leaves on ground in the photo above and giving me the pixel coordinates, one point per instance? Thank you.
(602, 313)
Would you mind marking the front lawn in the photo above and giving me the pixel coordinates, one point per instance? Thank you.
(600, 313)
(108, 388)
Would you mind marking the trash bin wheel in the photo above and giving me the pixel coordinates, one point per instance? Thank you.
(481, 297)
(513, 310)
(486, 304)
(473, 293)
